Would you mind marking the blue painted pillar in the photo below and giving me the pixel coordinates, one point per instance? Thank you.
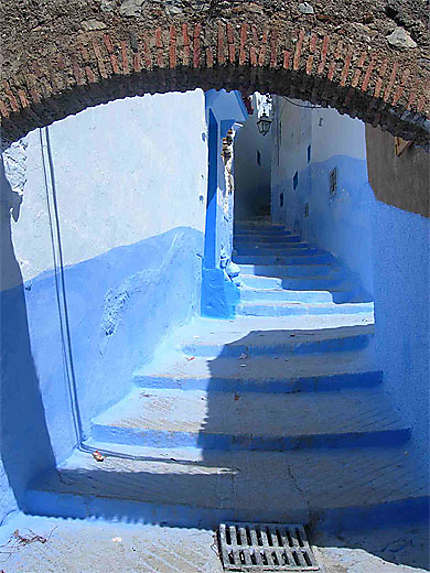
(211, 205)
(219, 294)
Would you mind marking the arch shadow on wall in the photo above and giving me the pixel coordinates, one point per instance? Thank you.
(26, 447)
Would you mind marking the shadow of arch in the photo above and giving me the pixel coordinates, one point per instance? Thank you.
(25, 444)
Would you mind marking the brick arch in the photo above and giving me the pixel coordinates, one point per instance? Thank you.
(100, 52)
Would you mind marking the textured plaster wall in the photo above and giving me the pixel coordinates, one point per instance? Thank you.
(291, 133)
(252, 181)
(115, 168)
(127, 186)
(339, 222)
(401, 256)
(387, 248)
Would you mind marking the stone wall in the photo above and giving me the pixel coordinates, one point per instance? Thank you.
(367, 58)
(400, 180)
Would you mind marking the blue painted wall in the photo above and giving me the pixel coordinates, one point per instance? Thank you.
(252, 178)
(401, 254)
(102, 257)
(385, 248)
(309, 144)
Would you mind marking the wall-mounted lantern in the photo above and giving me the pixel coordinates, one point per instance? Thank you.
(264, 112)
(264, 122)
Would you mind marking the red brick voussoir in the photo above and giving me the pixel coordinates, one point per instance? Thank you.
(103, 56)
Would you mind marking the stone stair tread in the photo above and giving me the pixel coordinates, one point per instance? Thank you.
(269, 485)
(276, 249)
(279, 308)
(277, 294)
(266, 246)
(283, 259)
(267, 331)
(261, 368)
(280, 290)
(248, 413)
(327, 276)
(281, 270)
(278, 253)
(364, 305)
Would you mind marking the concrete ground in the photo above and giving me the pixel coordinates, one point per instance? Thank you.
(45, 545)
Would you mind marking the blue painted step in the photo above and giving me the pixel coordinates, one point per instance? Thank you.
(284, 240)
(262, 308)
(321, 282)
(280, 342)
(271, 237)
(178, 487)
(274, 252)
(273, 296)
(274, 374)
(290, 270)
(264, 230)
(297, 259)
(255, 246)
(280, 295)
(242, 420)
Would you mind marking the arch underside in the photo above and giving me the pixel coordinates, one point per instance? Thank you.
(75, 60)
(399, 121)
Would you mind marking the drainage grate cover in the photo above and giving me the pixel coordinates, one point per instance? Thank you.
(265, 547)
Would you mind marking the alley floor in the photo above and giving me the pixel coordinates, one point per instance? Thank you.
(45, 545)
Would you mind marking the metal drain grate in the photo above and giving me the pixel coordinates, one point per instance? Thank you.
(265, 547)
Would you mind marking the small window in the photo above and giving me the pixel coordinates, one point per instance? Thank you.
(309, 153)
(306, 209)
(281, 199)
(296, 180)
(333, 181)
(258, 158)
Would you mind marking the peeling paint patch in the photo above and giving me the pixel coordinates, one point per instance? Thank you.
(117, 299)
(14, 159)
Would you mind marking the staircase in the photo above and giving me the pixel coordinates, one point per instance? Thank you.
(282, 275)
(279, 414)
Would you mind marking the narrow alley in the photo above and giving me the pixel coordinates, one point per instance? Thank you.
(214, 298)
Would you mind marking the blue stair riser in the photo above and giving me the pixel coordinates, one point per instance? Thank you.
(69, 505)
(249, 442)
(285, 272)
(272, 231)
(324, 283)
(253, 238)
(262, 295)
(321, 383)
(284, 260)
(270, 252)
(267, 242)
(280, 348)
(275, 245)
(409, 511)
(254, 309)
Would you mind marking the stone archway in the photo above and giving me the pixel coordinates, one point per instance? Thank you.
(365, 58)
